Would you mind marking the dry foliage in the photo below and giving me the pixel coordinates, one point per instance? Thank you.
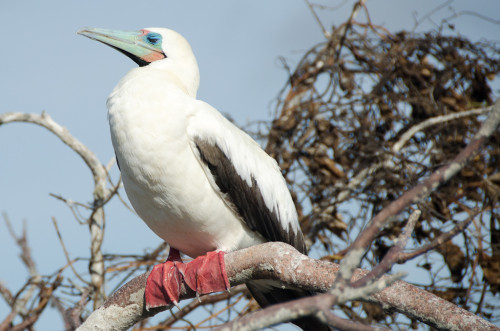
(341, 138)
(363, 118)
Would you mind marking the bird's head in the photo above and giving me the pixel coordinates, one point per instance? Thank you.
(157, 47)
(143, 46)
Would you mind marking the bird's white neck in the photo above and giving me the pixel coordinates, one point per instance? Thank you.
(183, 72)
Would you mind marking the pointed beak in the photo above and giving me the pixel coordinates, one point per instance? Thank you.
(130, 43)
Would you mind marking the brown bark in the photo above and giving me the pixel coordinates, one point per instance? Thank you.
(282, 262)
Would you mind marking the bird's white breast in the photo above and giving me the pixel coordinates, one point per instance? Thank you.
(164, 181)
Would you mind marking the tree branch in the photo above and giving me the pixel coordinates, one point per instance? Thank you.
(282, 262)
(405, 256)
(101, 194)
(44, 120)
(358, 248)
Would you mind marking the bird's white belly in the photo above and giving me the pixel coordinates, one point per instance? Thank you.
(169, 190)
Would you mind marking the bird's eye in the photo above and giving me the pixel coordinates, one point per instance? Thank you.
(153, 38)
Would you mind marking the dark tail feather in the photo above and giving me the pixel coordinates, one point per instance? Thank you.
(266, 295)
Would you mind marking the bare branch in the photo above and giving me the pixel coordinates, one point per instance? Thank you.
(436, 120)
(424, 189)
(474, 14)
(203, 301)
(19, 303)
(393, 254)
(396, 148)
(313, 12)
(6, 294)
(72, 315)
(346, 325)
(44, 120)
(101, 193)
(273, 261)
(22, 242)
(279, 313)
(444, 237)
(345, 28)
(66, 254)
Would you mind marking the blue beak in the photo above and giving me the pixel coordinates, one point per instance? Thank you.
(134, 44)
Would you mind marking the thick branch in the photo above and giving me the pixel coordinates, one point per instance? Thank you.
(280, 261)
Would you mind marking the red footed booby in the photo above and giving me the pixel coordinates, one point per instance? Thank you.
(199, 182)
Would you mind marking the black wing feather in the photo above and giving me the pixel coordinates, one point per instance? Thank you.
(247, 201)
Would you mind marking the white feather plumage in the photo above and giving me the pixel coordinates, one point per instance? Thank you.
(154, 117)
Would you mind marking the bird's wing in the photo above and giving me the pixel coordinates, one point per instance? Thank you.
(250, 183)
(249, 180)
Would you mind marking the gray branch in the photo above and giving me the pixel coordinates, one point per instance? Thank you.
(101, 193)
(282, 262)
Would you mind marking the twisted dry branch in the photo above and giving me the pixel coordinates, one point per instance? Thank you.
(101, 192)
(279, 261)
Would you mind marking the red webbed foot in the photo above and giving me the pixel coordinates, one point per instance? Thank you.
(205, 274)
(163, 285)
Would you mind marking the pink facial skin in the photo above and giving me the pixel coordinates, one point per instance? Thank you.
(154, 56)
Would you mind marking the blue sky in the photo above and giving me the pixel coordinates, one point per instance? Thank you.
(44, 65)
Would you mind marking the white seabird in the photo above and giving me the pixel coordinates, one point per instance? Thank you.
(198, 181)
